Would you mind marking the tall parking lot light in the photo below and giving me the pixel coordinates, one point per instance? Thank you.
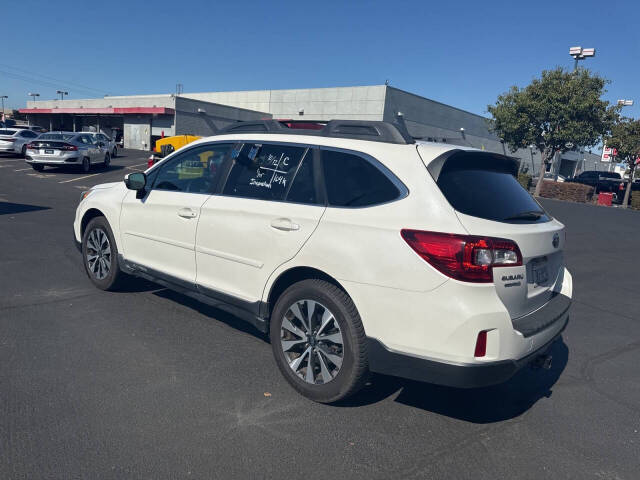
(33, 95)
(62, 93)
(579, 53)
(2, 97)
(625, 103)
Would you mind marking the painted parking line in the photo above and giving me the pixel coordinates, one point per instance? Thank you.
(40, 175)
(138, 165)
(23, 169)
(79, 178)
(3, 160)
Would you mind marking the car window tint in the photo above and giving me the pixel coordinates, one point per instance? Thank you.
(352, 181)
(263, 171)
(484, 186)
(303, 189)
(195, 171)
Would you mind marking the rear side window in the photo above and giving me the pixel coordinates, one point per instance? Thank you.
(265, 171)
(484, 186)
(7, 132)
(353, 181)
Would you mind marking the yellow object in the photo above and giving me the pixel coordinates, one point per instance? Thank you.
(178, 141)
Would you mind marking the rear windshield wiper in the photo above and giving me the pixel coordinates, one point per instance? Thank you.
(530, 215)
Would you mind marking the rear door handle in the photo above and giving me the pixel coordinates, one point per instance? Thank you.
(187, 213)
(284, 224)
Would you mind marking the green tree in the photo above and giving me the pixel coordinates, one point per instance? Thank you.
(556, 112)
(625, 137)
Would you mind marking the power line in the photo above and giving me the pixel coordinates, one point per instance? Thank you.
(45, 83)
(32, 77)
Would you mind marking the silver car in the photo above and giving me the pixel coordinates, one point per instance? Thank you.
(14, 140)
(66, 148)
(109, 143)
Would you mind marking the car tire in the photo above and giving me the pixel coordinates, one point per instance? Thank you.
(100, 255)
(86, 164)
(335, 349)
(107, 160)
(114, 154)
(37, 167)
(23, 151)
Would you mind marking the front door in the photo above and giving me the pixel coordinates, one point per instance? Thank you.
(158, 231)
(269, 207)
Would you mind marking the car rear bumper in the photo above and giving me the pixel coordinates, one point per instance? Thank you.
(460, 375)
(8, 149)
(52, 159)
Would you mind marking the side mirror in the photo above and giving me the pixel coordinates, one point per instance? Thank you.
(136, 181)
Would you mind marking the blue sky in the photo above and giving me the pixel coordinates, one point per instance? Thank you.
(463, 53)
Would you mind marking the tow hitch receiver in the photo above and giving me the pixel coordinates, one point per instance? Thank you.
(542, 361)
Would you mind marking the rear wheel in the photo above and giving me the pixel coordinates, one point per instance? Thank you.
(86, 164)
(114, 154)
(37, 167)
(23, 152)
(100, 255)
(318, 341)
(107, 160)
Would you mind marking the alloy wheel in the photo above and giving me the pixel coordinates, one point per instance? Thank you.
(312, 342)
(98, 253)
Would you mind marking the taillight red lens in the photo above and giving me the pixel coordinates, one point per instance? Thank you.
(71, 148)
(31, 146)
(481, 344)
(621, 187)
(464, 257)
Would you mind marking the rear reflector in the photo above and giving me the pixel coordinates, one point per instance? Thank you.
(481, 344)
(464, 257)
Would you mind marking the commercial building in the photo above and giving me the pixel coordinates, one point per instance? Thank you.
(140, 119)
(425, 118)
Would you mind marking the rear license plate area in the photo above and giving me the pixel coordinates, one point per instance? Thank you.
(48, 151)
(539, 271)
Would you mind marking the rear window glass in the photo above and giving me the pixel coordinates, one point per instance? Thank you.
(56, 136)
(610, 175)
(484, 186)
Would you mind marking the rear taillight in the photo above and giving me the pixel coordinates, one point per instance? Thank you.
(31, 146)
(621, 187)
(72, 148)
(8, 139)
(464, 257)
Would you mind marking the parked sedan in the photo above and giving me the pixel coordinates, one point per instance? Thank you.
(109, 143)
(14, 140)
(66, 148)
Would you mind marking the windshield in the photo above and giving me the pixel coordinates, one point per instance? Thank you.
(56, 136)
(484, 186)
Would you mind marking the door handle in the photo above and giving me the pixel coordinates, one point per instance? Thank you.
(187, 213)
(284, 224)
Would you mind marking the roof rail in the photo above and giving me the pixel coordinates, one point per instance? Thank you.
(375, 131)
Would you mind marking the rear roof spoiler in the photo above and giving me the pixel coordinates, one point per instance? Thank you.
(510, 164)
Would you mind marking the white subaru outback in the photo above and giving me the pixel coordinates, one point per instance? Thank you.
(356, 248)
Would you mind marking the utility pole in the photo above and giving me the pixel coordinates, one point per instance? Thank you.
(2, 97)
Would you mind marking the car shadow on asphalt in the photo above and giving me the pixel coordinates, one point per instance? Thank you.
(75, 169)
(8, 208)
(479, 405)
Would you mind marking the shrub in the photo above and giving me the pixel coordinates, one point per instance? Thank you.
(574, 192)
(525, 180)
(635, 201)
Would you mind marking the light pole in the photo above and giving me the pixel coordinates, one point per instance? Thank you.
(33, 95)
(62, 93)
(579, 53)
(621, 103)
(533, 167)
(2, 97)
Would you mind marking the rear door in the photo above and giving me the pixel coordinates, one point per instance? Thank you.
(489, 201)
(269, 206)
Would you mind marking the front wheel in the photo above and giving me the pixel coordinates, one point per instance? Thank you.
(100, 255)
(318, 341)
(114, 154)
(107, 160)
(86, 164)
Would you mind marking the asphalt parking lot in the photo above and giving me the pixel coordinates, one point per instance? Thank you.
(150, 384)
